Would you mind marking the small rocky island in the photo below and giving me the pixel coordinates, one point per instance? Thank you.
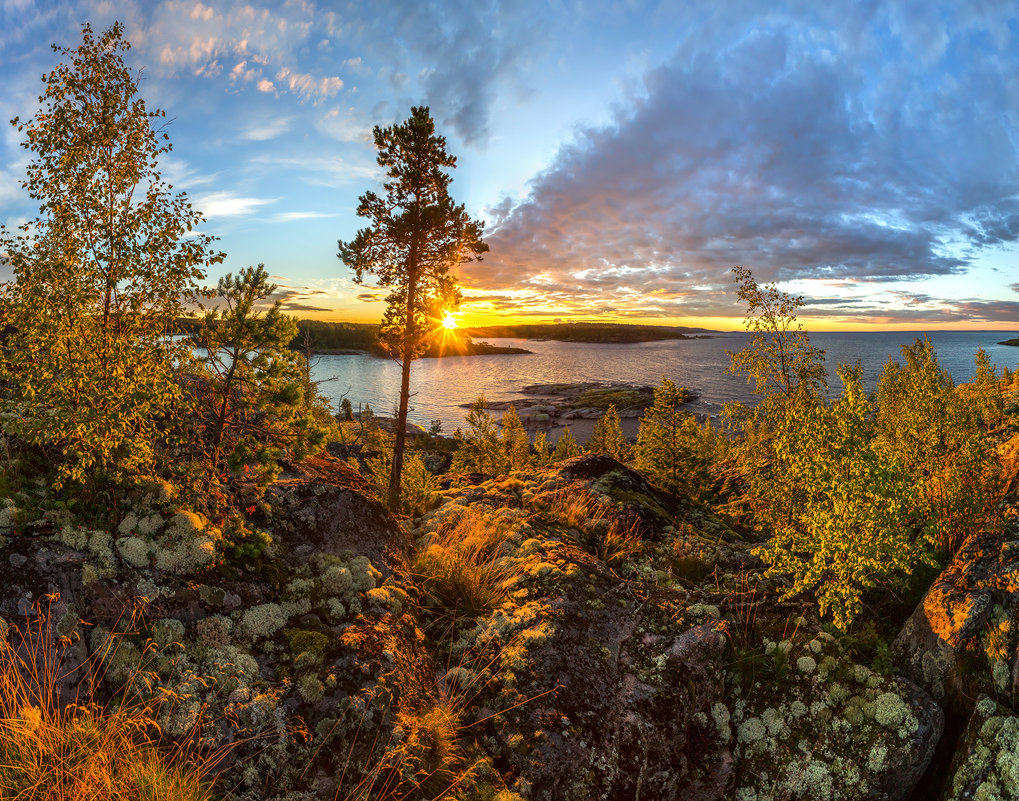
(545, 405)
(1014, 342)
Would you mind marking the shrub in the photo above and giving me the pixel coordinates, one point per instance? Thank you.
(607, 436)
(673, 451)
(938, 436)
(566, 447)
(839, 510)
(480, 449)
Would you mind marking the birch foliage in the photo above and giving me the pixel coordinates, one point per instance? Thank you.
(100, 275)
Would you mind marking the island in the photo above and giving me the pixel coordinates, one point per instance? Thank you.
(1014, 342)
(621, 333)
(545, 404)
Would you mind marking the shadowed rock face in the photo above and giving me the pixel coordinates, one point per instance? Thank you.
(986, 762)
(599, 674)
(317, 634)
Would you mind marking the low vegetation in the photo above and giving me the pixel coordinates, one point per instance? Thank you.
(82, 747)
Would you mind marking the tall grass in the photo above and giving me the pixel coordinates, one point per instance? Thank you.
(59, 742)
(463, 569)
(609, 539)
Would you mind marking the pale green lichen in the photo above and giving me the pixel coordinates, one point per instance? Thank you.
(166, 632)
(751, 730)
(889, 710)
(876, 758)
(817, 780)
(310, 688)
(703, 611)
(806, 664)
(263, 620)
(135, 551)
(720, 714)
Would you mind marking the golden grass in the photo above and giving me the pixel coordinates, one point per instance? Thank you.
(59, 748)
(608, 539)
(463, 568)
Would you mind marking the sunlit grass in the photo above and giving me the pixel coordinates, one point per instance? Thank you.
(588, 523)
(463, 569)
(59, 748)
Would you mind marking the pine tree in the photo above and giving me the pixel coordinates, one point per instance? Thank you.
(254, 406)
(416, 235)
(607, 436)
(669, 448)
(542, 451)
(516, 443)
(480, 449)
(566, 447)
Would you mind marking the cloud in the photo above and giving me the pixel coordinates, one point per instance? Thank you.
(266, 129)
(479, 47)
(291, 216)
(307, 86)
(796, 144)
(228, 204)
(324, 170)
(1014, 287)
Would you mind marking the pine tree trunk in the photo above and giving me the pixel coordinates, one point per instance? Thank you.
(409, 335)
(401, 435)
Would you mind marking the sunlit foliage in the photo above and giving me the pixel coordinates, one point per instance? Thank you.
(839, 511)
(780, 361)
(515, 442)
(856, 493)
(479, 447)
(673, 451)
(938, 435)
(566, 447)
(101, 274)
(607, 436)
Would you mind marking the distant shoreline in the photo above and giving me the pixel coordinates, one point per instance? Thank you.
(472, 349)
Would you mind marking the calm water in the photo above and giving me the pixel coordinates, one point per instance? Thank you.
(442, 385)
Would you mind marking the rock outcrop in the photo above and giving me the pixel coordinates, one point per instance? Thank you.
(960, 640)
(623, 644)
(617, 677)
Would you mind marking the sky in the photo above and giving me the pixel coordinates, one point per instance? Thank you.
(623, 155)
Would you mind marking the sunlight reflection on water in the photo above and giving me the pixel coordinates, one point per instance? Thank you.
(442, 385)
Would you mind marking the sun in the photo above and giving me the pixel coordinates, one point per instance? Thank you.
(449, 321)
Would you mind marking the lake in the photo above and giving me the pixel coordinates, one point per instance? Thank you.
(440, 386)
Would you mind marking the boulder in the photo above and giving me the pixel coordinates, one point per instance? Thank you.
(986, 761)
(946, 646)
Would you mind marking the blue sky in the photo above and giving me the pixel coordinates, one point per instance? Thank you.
(624, 155)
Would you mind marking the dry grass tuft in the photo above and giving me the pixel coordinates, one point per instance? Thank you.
(59, 743)
(607, 538)
(464, 570)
